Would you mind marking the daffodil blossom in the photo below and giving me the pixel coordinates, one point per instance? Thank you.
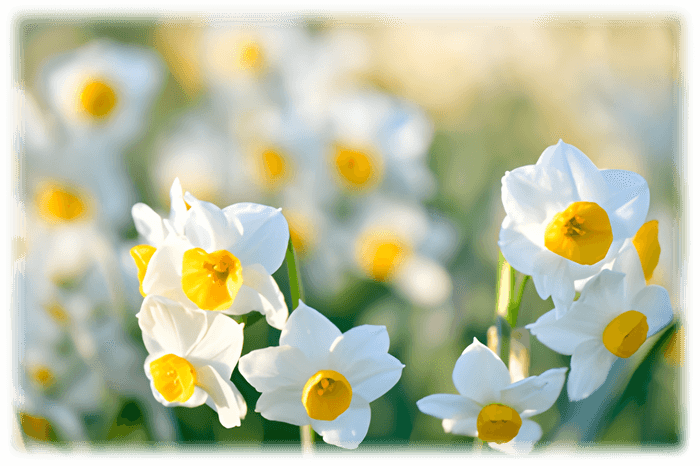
(565, 219)
(222, 262)
(321, 377)
(191, 357)
(489, 406)
(612, 318)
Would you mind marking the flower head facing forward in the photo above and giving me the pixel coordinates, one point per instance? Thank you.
(321, 377)
(191, 357)
(612, 318)
(489, 406)
(565, 219)
(214, 259)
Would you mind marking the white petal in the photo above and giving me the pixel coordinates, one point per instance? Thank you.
(220, 346)
(348, 429)
(148, 223)
(261, 293)
(628, 204)
(311, 332)
(604, 296)
(223, 394)
(208, 228)
(518, 249)
(464, 426)
(554, 279)
(164, 272)
(168, 326)
(653, 301)
(274, 367)
(178, 209)
(523, 443)
(372, 377)
(480, 375)
(284, 405)
(590, 365)
(628, 262)
(361, 342)
(566, 334)
(198, 398)
(265, 235)
(526, 191)
(360, 354)
(580, 172)
(448, 406)
(536, 394)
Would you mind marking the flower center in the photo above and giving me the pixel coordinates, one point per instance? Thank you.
(211, 281)
(625, 333)
(357, 169)
(273, 168)
(581, 233)
(98, 99)
(42, 376)
(381, 253)
(142, 256)
(250, 56)
(57, 313)
(58, 204)
(174, 377)
(646, 242)
(327, 395)
(498, 423)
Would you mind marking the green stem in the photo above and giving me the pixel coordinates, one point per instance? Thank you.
(306, 433)
(295, 288)
(507, 304)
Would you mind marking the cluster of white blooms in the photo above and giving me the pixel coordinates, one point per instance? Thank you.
(570, 226)
(203, 262)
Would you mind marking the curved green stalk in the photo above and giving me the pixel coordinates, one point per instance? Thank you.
(306, 433)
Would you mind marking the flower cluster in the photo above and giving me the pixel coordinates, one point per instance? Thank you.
(570, 225)
(203, 262)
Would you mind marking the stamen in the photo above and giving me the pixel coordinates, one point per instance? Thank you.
(625, 333)
(582, 233)
(498, 423)
(326, 395)
(174, 377)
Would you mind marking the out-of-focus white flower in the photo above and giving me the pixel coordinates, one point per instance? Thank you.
(242, 63)
(222, 262)
(565, 219)
(321, 377)
(612, 318)
(377, 141)
(102, 91)
(489, 406)
(192, 354)
(396, 242)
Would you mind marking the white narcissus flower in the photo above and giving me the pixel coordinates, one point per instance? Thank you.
(103, 90)
(223, 261)
(152, 226)
(489, 406)
(565, 219)
(612, 318)
(321, 377)
(191, 357)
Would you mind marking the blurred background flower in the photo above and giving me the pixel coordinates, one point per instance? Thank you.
(383, 140)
